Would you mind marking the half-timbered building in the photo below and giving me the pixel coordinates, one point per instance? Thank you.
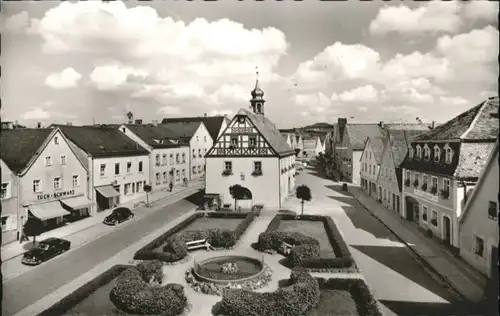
(251, 152)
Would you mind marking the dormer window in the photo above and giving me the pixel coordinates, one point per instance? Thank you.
(448, 154)
(437, 153)
(427, 152)
(419, 152)
(410, 150)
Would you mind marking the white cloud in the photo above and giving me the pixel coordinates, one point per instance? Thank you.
(310, 100)
(488, 93)
(339, 61)
(402, 109)
(227, 112)
(110, 77)
(229, 93)
(36, 114)
(361, 94)
(16, 22)
(431, 17)
(481, 9)
(68, 78)
(169, 110)
(453, 101)
(480, 45)
(415, 65)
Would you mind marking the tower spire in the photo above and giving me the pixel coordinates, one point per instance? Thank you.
(257, 101)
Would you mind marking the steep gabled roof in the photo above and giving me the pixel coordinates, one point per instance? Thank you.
(151, 134)
(472, 160)
(358, 133)
(18, 146)
(477, 123)
(102, 141)
(270, 133)
(183, 130)
(377, 144)
(488, 169)
(212, 123)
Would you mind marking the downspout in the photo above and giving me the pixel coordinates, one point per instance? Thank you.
(279, 181)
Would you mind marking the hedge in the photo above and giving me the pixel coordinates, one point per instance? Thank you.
(84, 291)
(295, 300)
(134, 295)
(366, 303)
(306, 252)
(175, 247)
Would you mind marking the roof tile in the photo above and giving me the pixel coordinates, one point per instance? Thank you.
(212, 123)
(473, 159)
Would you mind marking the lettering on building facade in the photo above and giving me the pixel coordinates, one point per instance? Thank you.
(54, 195)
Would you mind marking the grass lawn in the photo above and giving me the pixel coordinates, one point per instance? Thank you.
(315, 229)
(335, 303)
(98, 303)
(203, 223)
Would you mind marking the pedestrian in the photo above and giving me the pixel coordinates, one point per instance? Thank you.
(170, 185)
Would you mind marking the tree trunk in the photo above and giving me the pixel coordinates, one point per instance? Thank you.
(34, 240)
(235, 204)
(302, 202)
(147, 199)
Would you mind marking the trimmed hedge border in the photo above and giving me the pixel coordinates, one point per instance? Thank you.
(295, 300)
(343, 260)
(84, 291)
(148, 252)
(366, 304)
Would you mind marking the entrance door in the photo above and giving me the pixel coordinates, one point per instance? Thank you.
(289, 185)
(369, 188)
(393, 202)
(447, 230)
(492, 287)
(398, 204)
(409, 211)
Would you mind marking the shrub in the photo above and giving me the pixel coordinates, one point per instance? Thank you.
(175, 249)
(273, 240)
(151, 271)
(299, 255)
(133, 295)
(294, 300)
(257, 209)
(222, 238)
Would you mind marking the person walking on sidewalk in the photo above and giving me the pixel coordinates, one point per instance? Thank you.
(170, 186)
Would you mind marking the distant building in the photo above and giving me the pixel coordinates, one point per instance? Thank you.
(478, 224)
(168, 154)
(370, 160)
(442, 168)
(251, 152)
(118, 166)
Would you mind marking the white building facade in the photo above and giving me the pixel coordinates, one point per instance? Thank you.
(370, 163)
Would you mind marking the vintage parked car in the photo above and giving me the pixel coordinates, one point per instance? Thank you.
(45, 250)
(118, 215)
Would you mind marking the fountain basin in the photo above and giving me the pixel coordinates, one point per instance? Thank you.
(209, 270)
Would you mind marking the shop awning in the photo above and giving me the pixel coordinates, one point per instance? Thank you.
(77, 203)
(107, 191)
(48, 210)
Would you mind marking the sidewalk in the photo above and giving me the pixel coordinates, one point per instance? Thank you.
(446, 265)
(15, 249)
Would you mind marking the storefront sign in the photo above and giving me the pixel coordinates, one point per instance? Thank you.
(54, 195)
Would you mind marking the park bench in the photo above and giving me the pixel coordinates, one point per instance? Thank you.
(196, 244)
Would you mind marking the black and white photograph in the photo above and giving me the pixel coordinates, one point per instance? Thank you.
(249, 158)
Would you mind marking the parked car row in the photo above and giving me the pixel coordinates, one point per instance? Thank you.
(52, 247)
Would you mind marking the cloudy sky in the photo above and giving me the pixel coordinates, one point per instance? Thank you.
(317, 61)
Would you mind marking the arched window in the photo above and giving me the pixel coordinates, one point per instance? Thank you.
(427, 152)
(437, 153)
(449, 155)
(419, 152)
(410, 150)
(259, 107)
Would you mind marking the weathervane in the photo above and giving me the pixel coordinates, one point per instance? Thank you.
(257, 71)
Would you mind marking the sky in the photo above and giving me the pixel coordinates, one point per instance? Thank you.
(93, 61)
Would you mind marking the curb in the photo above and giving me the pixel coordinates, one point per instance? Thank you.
(422, 261)
(93, 225)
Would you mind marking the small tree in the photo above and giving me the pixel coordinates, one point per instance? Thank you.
(297, 152)
(237, 192)
(147, 189)
(33, 227)
(304, 194)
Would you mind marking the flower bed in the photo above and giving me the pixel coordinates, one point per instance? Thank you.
(333, 298)
(295, 300)
(218, 288)
(135, 295)
(306, 250)
(174, 240)
(93, 298)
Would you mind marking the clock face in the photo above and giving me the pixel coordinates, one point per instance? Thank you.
(241, 119)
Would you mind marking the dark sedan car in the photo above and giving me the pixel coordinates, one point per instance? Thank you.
(118, 215)
(45, 250)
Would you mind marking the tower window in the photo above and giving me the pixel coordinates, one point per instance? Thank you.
(259, 108)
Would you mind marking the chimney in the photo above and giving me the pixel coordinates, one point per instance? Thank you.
(38, 124)
(342, 122)
(205, 115)
(155, 122)
(69, 124)
(381, 124)
(138, 122)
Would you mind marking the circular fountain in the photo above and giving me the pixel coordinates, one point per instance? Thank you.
(216, 274)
